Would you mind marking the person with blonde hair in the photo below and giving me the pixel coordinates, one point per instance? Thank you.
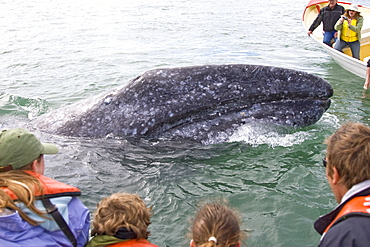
(347, 165)
(215, 224)
(36, 210)
(121, 220)
(24, 187)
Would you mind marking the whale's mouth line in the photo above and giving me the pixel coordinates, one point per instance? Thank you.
(255, 99)
(233, 106)
(239, 115)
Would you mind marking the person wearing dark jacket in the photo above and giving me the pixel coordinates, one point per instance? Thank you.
(328, 15)
(348, 174)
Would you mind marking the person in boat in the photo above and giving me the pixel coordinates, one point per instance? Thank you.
(328, 15)
(367, 79)
(121, 220)
(215, 224)
(33, 207)
(349, 31)
(348, 173)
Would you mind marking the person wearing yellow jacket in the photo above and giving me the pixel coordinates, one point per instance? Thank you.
(349, 31)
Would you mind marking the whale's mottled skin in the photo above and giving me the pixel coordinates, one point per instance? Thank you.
(198, 102)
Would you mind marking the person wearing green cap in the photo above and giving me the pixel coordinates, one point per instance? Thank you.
(36, 210)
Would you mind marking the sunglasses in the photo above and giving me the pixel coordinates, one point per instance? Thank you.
(324, 162)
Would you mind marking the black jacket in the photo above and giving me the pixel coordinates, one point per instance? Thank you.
(328, 17)
(351, 231)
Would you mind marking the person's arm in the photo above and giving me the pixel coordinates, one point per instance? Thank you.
(339, 24)
(367, 81)
(316, 22)
(358, 26)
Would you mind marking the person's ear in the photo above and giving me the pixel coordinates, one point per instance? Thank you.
(34, 165)
(192, 244)
(335, 175)
(238, 244)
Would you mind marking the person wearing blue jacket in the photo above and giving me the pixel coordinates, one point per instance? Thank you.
(36, 210)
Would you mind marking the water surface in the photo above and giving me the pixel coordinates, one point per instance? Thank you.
(55, 53)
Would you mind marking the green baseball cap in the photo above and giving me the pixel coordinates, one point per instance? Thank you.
(19, 147)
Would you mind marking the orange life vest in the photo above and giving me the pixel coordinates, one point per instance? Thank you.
(51, 188)
(355, 205)
(133, 243)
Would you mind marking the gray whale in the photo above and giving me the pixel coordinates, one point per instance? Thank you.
(198, 102)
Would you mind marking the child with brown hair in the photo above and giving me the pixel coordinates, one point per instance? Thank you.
(216, 224)
(121, 220)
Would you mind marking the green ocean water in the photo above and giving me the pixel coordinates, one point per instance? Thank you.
(56, 53)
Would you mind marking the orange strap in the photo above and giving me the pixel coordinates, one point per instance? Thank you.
(355, 205)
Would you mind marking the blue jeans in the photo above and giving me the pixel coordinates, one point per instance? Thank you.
(328, 36)
(355, 47)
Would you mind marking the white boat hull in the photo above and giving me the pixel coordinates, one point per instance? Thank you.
(344, 59)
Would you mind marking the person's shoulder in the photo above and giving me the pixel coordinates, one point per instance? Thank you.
(328, 9)
(324, 8)
(357, 221)
(146, 243)
(135, 242)
(353, 231)
(76, 203)
(6, 211)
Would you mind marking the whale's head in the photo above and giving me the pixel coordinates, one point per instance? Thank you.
(196, 102)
